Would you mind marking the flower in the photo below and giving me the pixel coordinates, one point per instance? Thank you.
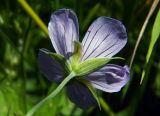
(104, 38)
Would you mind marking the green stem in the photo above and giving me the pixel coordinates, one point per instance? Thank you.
(106, 107)
(53, 94)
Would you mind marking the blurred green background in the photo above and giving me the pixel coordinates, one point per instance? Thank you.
(22, 85)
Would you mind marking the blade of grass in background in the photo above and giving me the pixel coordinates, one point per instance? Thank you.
(153, 7)
(34, 16)
(6, 38)
(154, 37)
(155, 3)
(134, 103)
(106, 107)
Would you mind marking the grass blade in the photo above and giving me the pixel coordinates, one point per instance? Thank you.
(34, 16)
(153, 7)
(154, 37)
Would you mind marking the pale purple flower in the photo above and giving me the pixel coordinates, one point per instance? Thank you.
(104, 38)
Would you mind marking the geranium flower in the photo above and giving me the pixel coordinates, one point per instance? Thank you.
(104, 38)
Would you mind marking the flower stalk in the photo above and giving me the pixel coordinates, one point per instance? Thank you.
(53, 94)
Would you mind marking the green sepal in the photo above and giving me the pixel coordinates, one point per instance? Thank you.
(76, 56)
(60, 59)
(91, 65)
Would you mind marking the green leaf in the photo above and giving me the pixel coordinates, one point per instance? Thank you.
(3, 105)
(75, 59)
(154, 37)
(91, 65)
(11, 99)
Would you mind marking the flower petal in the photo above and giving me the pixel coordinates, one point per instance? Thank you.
(80, 95)
(51, 69)
(110, 78)
(104, 38)
(63, 30)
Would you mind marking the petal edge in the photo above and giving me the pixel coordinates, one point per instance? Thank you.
(110, 78)
(104, 38)
(63, 30)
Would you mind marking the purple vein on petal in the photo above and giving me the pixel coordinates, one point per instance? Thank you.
(92, 39)
(97, 46)
(107, 48)
(115, 49)
(89, 31)
(102, 38)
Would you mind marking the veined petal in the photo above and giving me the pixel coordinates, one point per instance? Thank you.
(110, 78)
(104, 38)
(63, 30)
(80, 95)
(51, 69)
